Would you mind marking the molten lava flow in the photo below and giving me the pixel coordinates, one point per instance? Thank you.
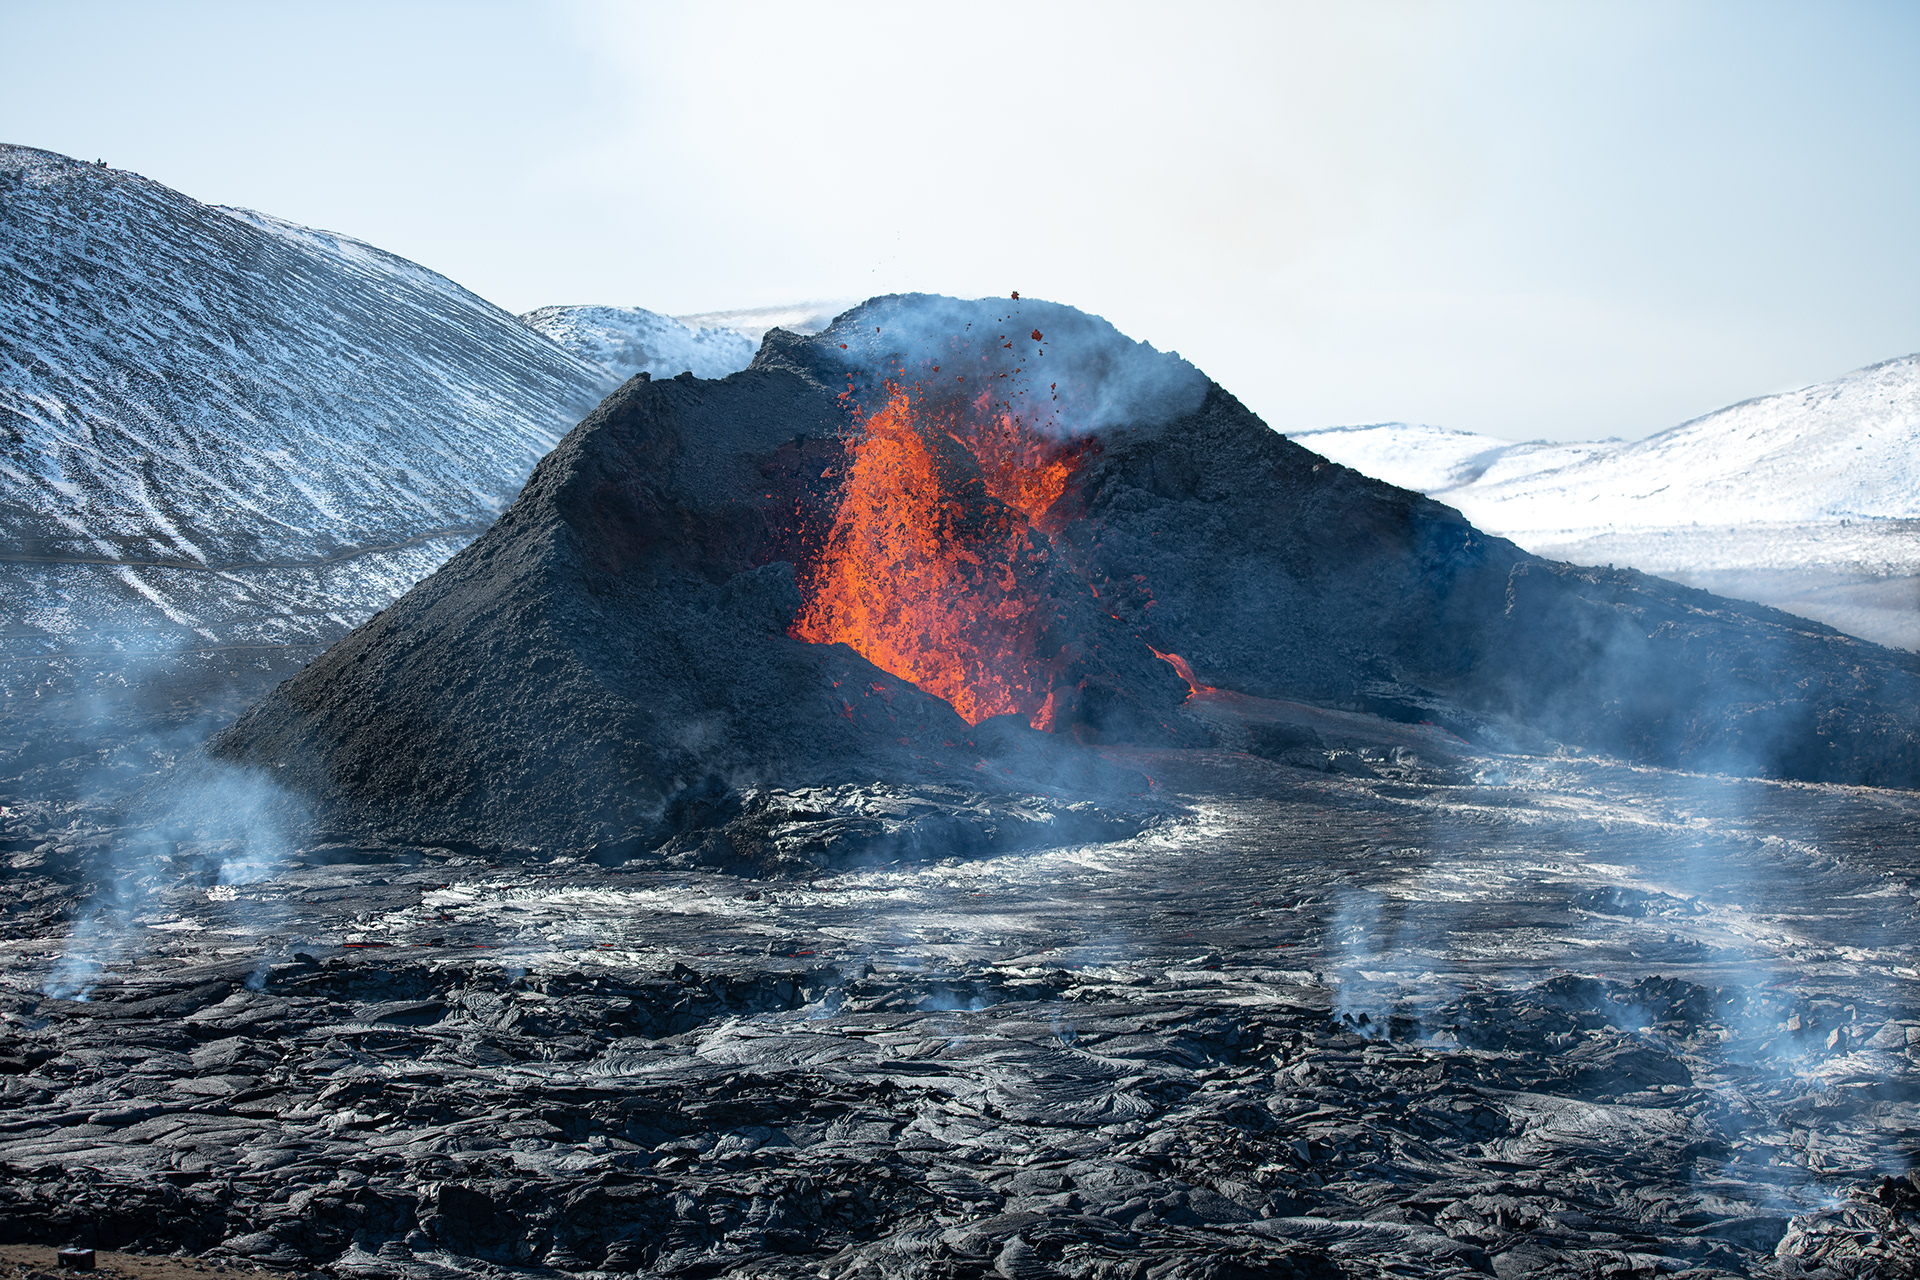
(935, 567)
(1185, 670)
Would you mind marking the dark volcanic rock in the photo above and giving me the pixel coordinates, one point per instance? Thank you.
(615, 648)
(769, 833)
(840, 1121)
(1282, 575)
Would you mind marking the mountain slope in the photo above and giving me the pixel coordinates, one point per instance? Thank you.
(229, 440)
(225, 427)
(1847, 449)
(1809, 500)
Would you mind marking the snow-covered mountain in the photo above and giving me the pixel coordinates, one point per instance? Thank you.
(752, 323)
(1808, 500)
(225, 428)
(1437, 460)
(629, 340)
(713, 344)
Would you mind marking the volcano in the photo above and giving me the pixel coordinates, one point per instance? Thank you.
(958, 543)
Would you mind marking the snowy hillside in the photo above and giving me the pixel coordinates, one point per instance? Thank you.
(630, 340)
(713, 344)
(752, 323)
(1808, 500)
(1843, 450)
(1436, 460)
(226, 428)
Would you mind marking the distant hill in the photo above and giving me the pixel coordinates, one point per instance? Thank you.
(713, 344)
(1808, 500)
(630, 340)
(752, 323)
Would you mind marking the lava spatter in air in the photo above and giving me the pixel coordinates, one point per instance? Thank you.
(936, 563)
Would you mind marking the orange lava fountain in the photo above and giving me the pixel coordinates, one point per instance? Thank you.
(935, 567)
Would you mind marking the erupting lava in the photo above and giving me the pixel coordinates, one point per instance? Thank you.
(935, 568)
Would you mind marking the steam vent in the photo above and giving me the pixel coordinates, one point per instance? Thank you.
(956, 543)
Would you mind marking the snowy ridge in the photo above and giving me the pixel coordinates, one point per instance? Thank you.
(1843, 450)
(1436, 460)
(1809, 500)
(1848, 449)
(752, 323)
(204, 405)
(629, 340)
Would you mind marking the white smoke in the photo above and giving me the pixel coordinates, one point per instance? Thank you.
(1057, 370)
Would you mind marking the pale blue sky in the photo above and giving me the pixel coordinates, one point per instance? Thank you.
(1547, 219)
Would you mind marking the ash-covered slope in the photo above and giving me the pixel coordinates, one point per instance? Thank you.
(617, 647)
(227, 429)
(629, 340)
(1276, 573)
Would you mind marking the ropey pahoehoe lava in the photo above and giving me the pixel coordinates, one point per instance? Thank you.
(967, 544)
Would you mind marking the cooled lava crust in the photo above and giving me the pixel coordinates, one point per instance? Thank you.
(636, 634)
